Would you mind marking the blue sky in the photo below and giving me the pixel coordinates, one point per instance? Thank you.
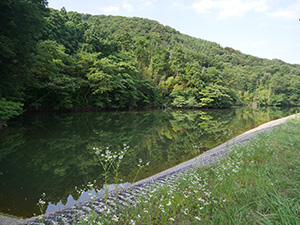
(264, 28)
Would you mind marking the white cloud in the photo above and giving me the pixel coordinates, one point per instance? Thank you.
(148, 3)
(128, 7)
(289, 12)
(281, 9)
(109, 9)
(177, 4)
(230, 8)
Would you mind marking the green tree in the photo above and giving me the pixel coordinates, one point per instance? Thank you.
(159, 64)
(53, 85)
(21, 22)
(177, 62)
(114, 81)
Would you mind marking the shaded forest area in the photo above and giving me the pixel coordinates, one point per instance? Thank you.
(54, 59)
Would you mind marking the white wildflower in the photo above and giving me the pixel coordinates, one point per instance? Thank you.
(201, 199)
(41, 202)
(115, 218)
(197, 218)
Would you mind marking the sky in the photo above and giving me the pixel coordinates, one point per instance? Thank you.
(264, 28)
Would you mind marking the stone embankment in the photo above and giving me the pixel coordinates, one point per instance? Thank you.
(128, 195)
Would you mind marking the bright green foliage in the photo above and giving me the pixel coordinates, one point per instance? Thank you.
(10, 109)
(52, 85)
(177, 61)
(111, 61)
(215, 95)
(125, 42)
(159, 64)
(114, 81)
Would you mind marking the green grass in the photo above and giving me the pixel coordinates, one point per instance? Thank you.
(258, 183)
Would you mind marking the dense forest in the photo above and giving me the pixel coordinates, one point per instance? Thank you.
(54, 59)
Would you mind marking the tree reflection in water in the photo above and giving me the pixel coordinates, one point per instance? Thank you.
(53, 153)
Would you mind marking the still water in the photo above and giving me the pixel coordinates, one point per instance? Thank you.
(53, 153)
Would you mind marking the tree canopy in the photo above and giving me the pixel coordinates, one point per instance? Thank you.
(54, 59)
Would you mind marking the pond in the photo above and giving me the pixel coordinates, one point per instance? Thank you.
(54, 153)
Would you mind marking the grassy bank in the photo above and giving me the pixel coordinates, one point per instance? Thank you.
(257, 184)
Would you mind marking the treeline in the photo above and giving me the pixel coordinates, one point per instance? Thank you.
(54, 59)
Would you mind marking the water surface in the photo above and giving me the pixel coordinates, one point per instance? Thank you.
(53, 153)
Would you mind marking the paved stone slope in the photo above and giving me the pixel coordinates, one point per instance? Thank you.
(125, 197)
(128, 195)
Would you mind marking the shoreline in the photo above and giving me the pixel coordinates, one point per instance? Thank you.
(163, 107)
(207, 158)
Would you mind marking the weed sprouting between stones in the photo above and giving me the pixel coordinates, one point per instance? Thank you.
(41, 204)
(108, 160)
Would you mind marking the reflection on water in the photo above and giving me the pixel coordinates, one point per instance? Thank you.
(84, 195)
(53, 153)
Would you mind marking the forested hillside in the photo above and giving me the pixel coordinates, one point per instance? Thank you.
(65, 60)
